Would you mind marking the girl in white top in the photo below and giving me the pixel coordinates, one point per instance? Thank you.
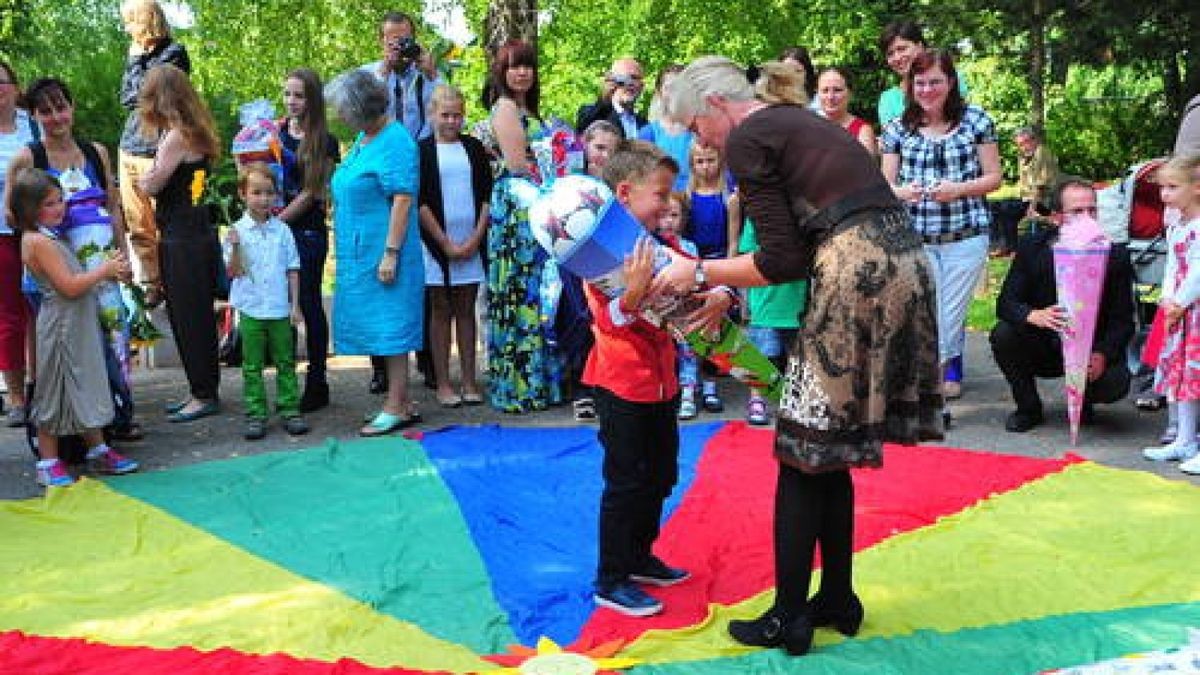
(454, 220)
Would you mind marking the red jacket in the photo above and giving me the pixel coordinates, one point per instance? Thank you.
(636, 361)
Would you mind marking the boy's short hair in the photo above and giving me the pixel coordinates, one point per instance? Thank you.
(259, 169)
(634, 161)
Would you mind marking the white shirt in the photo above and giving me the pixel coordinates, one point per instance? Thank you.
(10, 143)
(458, 204)
(268, 253)
(408, 111)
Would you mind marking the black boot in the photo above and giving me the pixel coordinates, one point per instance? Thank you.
(844, 617)
(316, 396)
(765, 631)
(798, 636)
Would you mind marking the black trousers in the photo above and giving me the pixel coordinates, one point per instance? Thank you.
(1025, 352)
(641, 466)
(812, 509)
(188, 275)
(313, 247)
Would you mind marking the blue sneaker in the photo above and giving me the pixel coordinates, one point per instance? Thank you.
(628, 599)
(112, 463)
(658, 573)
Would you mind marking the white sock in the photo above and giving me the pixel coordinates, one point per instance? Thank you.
(97, 451)
(46, 463)
(1172, 414)
(1187, 422)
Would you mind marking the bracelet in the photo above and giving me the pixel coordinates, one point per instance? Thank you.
(392, 250)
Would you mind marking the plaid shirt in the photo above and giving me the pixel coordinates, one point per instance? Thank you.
(953, 157)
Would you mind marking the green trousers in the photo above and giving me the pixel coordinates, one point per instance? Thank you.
(259, 335)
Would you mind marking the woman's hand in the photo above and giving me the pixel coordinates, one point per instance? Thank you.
(945, 191)
(1173, 312)
(386, 272)
(709, 316)
(1052, 318)
(677, 278)
(911, 193)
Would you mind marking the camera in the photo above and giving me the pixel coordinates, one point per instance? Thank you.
(405, 48)
(621, 79)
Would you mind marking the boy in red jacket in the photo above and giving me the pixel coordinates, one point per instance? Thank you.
(632, 367)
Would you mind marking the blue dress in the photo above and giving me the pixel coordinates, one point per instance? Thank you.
(370, 317)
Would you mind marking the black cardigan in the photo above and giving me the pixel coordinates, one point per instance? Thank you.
(431, 191)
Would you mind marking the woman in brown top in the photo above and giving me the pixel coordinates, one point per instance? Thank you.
(864, 368)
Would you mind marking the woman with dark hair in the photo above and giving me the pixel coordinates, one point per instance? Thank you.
(524, 370)
(862, 370)
(16, 129)
(93, 225)
(172, 110)
(305, 134)
(379, 294)
(941, 160)
(833, 94)
(150, 45)
(798, 57)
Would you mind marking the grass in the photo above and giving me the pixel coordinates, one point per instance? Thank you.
(981, 315)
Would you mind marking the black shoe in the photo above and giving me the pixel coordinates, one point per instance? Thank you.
(845, 619)
(254, 430)
(765, 631)
(658, 573)
(316, 396)
(379, 382)
(1019, 422)
(798, 636)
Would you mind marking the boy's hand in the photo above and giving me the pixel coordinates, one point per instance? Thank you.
(1174, 313)
(639, 270)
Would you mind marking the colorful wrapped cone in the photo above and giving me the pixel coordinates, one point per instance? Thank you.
(577, 221)
(1080, 261)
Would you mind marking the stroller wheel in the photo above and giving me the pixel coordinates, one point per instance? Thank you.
(1150, 402)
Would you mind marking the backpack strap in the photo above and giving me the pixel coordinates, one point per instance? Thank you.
(92, 156)
(40, 159)
(420, 85)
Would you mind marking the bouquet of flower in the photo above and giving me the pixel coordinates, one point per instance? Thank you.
(142, 331)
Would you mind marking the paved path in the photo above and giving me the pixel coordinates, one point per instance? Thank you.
(1115, 439)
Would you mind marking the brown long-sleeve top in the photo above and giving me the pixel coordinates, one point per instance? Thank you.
(789, 164)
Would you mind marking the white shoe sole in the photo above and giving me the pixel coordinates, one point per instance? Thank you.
(627, 611)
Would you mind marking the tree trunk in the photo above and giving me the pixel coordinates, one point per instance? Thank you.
(1037, 66)
(510, 20)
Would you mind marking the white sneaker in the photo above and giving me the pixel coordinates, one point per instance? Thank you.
(1171, 452)
(1191, 466)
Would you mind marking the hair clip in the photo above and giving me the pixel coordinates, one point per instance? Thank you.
(752, 73)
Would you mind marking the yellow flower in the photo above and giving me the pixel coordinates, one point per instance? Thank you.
(198, 185)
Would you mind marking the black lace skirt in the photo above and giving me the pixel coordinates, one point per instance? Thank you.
(864, 368)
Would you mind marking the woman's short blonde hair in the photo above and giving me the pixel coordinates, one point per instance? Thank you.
(774, 82)
(148, 18)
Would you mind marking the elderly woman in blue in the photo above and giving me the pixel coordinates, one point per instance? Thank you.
(380, 282)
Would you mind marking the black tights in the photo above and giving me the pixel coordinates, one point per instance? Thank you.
(811, 508)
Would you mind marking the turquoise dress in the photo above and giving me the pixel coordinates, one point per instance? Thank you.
(524, 367)
(370, 317)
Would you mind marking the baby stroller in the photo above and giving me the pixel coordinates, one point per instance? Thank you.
(1131, 213)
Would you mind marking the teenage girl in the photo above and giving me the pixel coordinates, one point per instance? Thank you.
(305, 134)
(72, 395)
(1178, 373)
(715, 221)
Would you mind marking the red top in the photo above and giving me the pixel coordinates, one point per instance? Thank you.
(635, 361)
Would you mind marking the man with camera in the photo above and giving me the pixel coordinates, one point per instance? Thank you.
(408, 73)
(622, 86)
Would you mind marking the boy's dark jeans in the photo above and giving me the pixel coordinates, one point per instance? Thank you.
(641, 466)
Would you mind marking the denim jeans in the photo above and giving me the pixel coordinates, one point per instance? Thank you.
(313, 247)
(956, 269)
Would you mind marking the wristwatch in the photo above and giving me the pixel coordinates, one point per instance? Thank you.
(700, 278)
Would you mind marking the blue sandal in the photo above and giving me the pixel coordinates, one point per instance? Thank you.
(386, 423)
